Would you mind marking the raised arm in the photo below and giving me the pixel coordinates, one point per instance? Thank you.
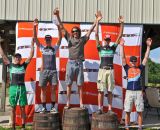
(121, 20)
(35, 25)
(98, 17)
(4, 57)
(56, 13)
(59, 36)
(31, 52)
(122, 51)
(148, 42)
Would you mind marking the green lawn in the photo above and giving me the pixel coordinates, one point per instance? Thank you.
(30, 128)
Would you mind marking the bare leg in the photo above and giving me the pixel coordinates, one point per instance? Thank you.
(43, 97)
(127, 119)
(23, 116)
(53, 93)
(140, 119)
(80, 90)
(100, 99)
(109, 100)
(13, 116)
(43, 94)
(68, 95)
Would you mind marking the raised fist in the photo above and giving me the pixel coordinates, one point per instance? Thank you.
(121, 19)
(35, 22)
(56, 11)
(98, 15)
(149, 41)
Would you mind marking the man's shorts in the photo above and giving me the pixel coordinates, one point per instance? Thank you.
(17, 93)
(74, 70)
(48, 76)
(134, 97)
(105, 80)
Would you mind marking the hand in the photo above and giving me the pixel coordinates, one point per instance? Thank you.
(149, 42)
(56, 11)
(121, 19)
(98, 15)
(122, 41)
(35, 22)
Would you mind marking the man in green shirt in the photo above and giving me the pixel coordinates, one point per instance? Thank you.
(17, 90)
(106, 73)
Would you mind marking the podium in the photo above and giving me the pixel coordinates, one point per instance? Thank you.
(75, 119)
(104, 121)
(46, 121)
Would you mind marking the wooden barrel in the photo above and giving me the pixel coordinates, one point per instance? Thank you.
(104, 121)
(46, 121)
(75, 119)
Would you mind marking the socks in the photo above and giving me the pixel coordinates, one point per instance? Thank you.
(52, 104)
(100, 107)
(23, 125)
(44, 105)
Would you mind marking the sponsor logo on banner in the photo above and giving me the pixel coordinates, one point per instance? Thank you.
(133, 37)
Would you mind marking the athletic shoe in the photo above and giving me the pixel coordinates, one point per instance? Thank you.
(99, 111)
(110, 112)
(43, 110)
(67, 107)
(53, 110)
(83, 107)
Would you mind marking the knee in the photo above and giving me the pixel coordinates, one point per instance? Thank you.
(13, 109)
(43, 89)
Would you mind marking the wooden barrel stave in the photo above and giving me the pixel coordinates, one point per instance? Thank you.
(46, 121)
(104, 121)
(76, 119)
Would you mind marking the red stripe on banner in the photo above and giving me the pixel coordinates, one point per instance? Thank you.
(136, 51)
(90, 92)
(90, 50)
(29, 111)
(62, 69)
(25, 29)
(112, 30)
(69, 26)
(42, 41)
(48, 94)
(30, 75)
(118, 74)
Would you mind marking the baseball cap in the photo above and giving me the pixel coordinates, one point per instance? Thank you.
(18, 55)
(107, 36)
(133, 59)
(48, 37)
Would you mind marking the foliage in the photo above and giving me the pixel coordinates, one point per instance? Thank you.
(153, 72)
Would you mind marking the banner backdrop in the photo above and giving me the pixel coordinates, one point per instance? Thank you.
(24, 32)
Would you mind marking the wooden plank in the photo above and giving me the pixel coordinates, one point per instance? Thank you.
(3, 89)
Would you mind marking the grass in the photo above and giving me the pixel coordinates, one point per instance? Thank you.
(30, 128)
(17, 128)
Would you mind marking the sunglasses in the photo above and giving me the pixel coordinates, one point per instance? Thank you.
(18, 57)
(48, 39)
(133, 61)
(74, 31)
(107, 39)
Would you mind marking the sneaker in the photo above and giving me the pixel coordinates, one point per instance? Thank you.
(67, 107)
(53, 110)
(43, 110)
(110, 112)
(83, 107)
(99, 111)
